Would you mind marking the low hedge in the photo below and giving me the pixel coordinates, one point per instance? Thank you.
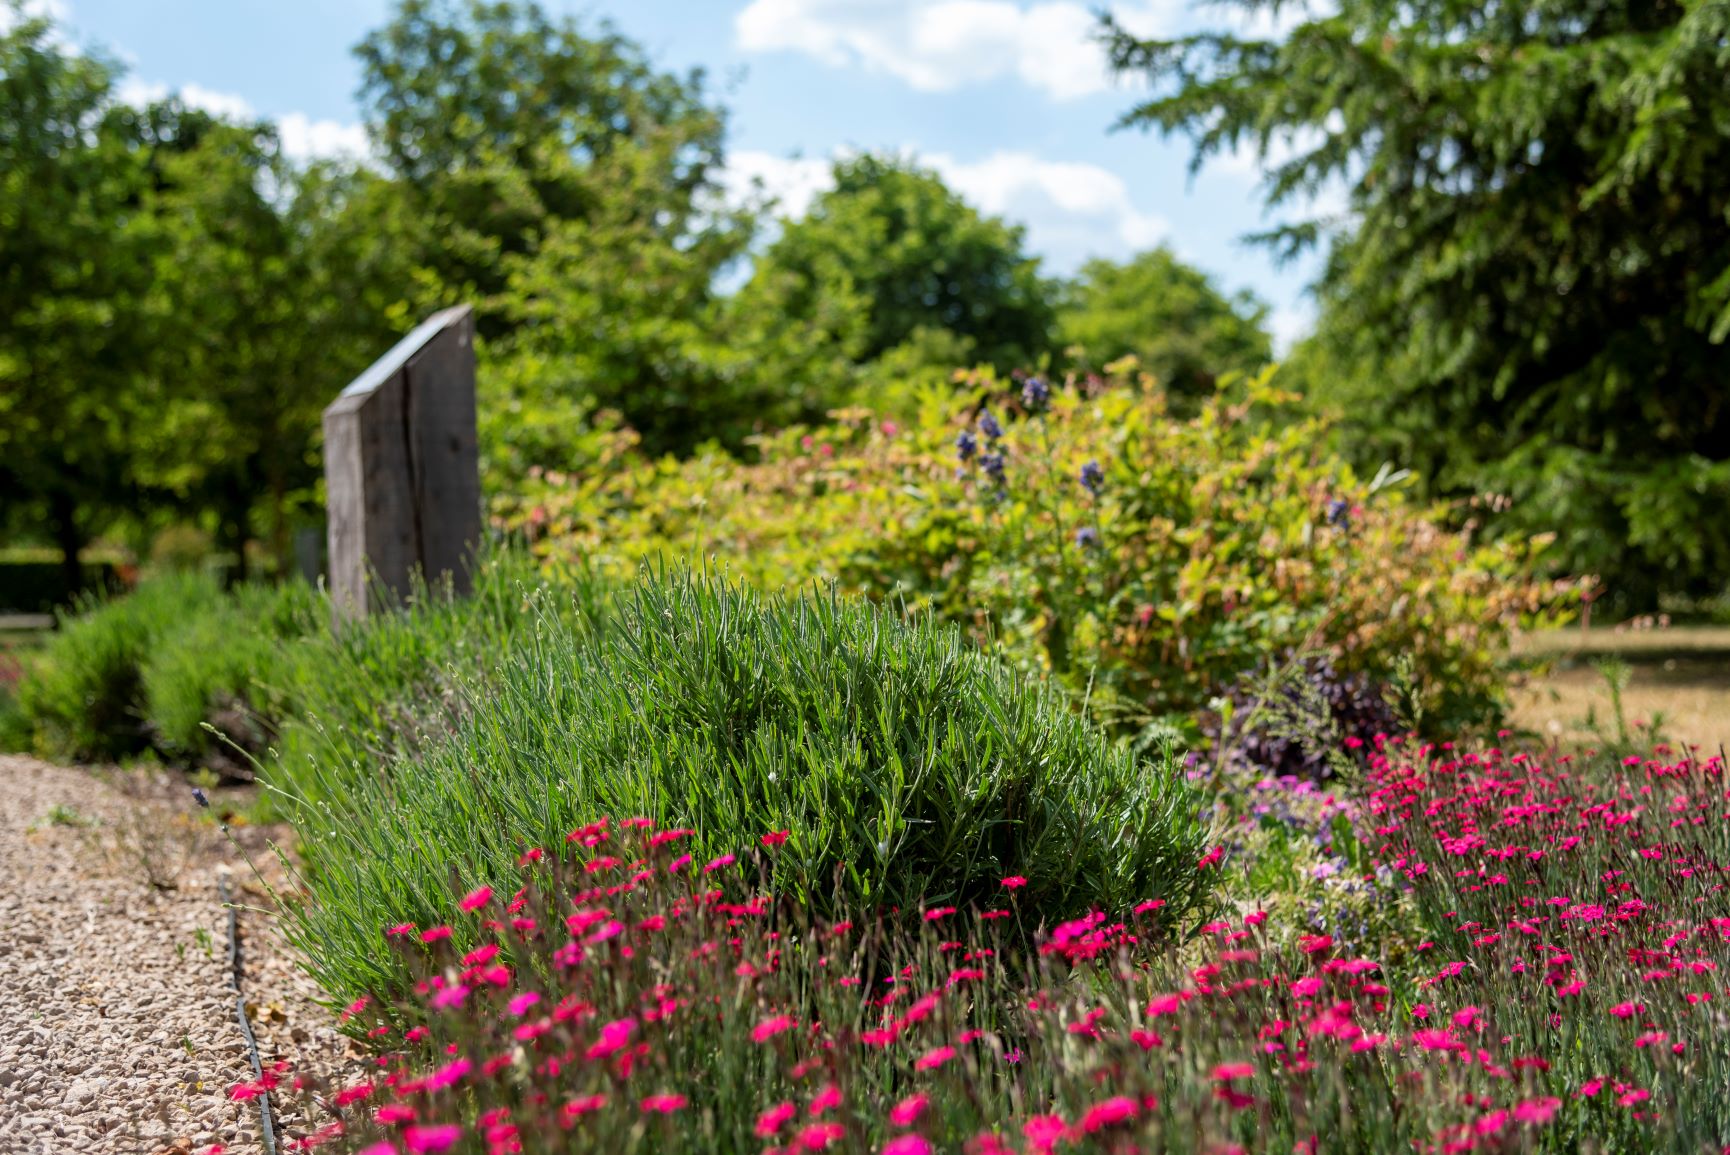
(911, 768)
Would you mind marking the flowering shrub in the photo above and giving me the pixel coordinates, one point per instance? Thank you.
(625, 998)
(1146, 562)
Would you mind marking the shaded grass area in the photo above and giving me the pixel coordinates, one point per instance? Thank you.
(1687, 697)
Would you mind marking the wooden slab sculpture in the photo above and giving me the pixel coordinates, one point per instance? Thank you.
(402, 469)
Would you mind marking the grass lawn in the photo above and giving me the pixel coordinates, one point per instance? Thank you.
(1680, 674)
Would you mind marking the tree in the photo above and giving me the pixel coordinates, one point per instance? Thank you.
(501, 123)
(570, 190)
(1168, 315)
(74, 268)
(890, 251)
(1530, 292)
(268, 304)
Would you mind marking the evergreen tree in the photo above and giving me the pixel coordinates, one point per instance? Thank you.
(1529, 293)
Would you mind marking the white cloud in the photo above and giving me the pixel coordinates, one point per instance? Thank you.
(793, 182)
(940, 45)
(303, 139)
(55, 10)
(1072, 211)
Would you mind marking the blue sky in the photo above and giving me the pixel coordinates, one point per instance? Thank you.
(1007, 98)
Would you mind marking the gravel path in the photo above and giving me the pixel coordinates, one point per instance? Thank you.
(117, 1025)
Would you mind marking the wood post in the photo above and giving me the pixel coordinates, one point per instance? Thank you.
(402, 469)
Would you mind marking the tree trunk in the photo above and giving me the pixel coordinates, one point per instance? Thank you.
(69, 537)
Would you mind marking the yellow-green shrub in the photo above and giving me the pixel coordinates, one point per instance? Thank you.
(1211, 544)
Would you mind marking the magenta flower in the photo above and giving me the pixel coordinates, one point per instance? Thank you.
(907, 1111)
(477, 898)
(1014, 882)
(934, 1058)
(827, 1099)
(717, 864)
(776, 838)
(1536, 1110)
(1119, 1109)
(663, 1104)
(769, 1028)
(907, 1145)
(520, 1005)
(770, 1122)
(441, 1137)
(1044, 1132)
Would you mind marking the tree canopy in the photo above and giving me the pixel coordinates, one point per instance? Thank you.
(1168, 315)
(890, 250)
(1528, 293)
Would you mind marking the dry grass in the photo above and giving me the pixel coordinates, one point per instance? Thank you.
(1681, 641)
(1692, 696)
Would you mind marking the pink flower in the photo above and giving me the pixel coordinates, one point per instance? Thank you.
(1633, 1097)
(678, 864)
(724, 861)
(907, 1145)
(938, 912)
(1255, 919)
(1420, 1011)
(448, 1075)
(1590, 1088)
(1491, 1123)
(663, 1104)
(818, 1136)
(1234, 1071)
(1163, 1005)
(1119, 1109)
(450, 997)
(1042, 1132)
(907, 1111)
(1468, 1017)
(1014, 882)
(613, 1038)
(1536, 1110)
(933, 1059)
(827, 1099)
(477, 898)
(1432, 1040)
(1626, 1010)
(769, 1028)
(436, 933)
(1211, 858)
(771, 1121)
(776, 838)
(584, 1105)
(400, 930)
(379, 1148)
(439, 1137)
(520, 1005)
(1316, 943)
(391, 1114)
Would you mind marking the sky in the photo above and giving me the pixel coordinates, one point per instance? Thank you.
(1009, 100)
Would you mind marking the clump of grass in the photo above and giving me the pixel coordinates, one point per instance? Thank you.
(911, 767)
(214, 669)
(82, 696)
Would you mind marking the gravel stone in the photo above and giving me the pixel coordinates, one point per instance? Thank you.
(117, 1027)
